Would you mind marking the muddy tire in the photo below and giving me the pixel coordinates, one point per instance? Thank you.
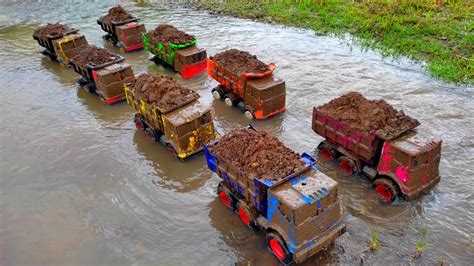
(326, 152)
(171, 150)
(152, 133)
(347, 165)
(216, 94)
(139, 124)
(228, 101)
(277, 246)
(386, 189)
(245, 216)
(225, 197)
(248, 114)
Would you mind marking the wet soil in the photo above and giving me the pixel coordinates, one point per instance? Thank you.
(165, 33)
(240, 62)
(51, 29)
(162, 90)
(258, 153)
(365, 115)
(94, 56)
(116, 14)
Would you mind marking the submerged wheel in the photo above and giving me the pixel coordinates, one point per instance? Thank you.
(347, 165)
(386, 189)
(278, 247)
(225, 197)
(216, 94)
(139, 124)
(152, 133)
(245, 215)
(325, 152)
(171, 149)
(248, 114)
(228, 101)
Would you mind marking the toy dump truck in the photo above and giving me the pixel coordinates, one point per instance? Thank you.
(278, 191)
(373, 138)
(103, 73)
(247, 83)
(122, 29)
(176, 49)
(61, 42)
(170, 114)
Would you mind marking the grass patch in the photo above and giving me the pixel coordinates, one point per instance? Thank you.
(438, 32)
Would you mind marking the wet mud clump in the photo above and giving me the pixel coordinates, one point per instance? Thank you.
(257, 153)
(162, 91)
(51, 29)
(240, 62)
(368, 115)
(165, 33)
(94, 56)
(116, 14)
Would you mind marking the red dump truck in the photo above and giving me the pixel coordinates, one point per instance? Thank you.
(61, 43)
(259, 95)
(299, 211)
(105, 79)
(399, 162)
(123, 29)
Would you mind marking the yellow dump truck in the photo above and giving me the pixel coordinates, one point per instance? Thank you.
(183, 128)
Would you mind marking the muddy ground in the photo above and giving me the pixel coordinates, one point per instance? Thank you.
(162, 90)
(165, 33)
(116, 14)
(258, 153)
(240, 62)
(52, 29)
(94, 56)
(367, 115)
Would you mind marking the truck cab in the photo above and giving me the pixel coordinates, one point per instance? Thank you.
(190, 61)
(187, 129)
(265, 96)
(412, 162)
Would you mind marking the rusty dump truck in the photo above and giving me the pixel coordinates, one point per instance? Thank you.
(258, 95)
(105, 79)
(183, 126)
(183, 55)
(398, 162)
(62, 46)
(299, 212)
(124, 33)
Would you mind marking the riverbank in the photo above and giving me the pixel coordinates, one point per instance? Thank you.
(440, 34)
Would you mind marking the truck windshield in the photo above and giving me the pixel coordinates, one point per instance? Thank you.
(196, 57)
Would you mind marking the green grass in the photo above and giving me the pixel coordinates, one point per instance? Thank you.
(439, 33)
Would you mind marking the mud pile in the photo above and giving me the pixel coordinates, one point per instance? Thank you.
(162, 91)
(116, 14)
(367, 115)
(52, 29)
(257, 153)
(165, 33)
(94, 56)
(240, 62)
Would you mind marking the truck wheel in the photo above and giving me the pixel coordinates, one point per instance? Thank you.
(152, 133)
(277, 246)
(170, 148)
(347, 165)
(228, 101)
(225, 197)
(245, 215)
(386, 189)
(326, 152)
(216, 94)
(139, 123)
(248, 114)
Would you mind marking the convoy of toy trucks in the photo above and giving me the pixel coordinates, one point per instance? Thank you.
(247, 83)
(122, 29)
(176, 49)
(269, 186)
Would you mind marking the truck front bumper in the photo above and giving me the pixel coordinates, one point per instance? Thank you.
(410, 195)
(315, 245)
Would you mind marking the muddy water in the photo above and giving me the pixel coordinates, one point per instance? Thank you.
(79, 185)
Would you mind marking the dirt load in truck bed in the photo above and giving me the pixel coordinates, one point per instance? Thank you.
(93, 55)
(165, 33)
(240, 62)
(52, 29)
(162, 91)
(366, 115)
(116, 14)
(257, 153)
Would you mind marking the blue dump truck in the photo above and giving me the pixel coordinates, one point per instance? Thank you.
(300, 212)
